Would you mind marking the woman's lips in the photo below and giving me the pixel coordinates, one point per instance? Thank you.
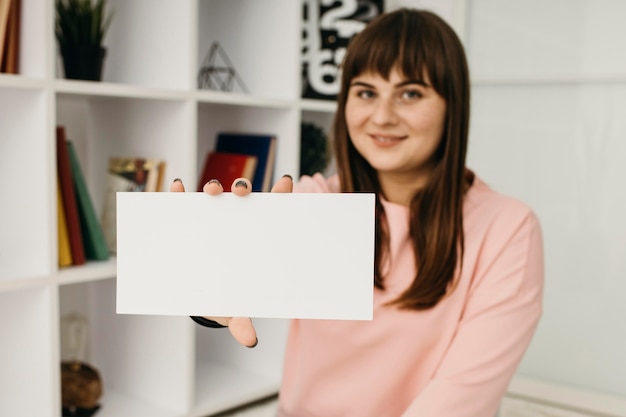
(386, 140)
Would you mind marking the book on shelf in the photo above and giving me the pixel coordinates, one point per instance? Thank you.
(64, 251)
(127, 174)
(11, 36)
(68, 195)
(160, 175)
(226, 167)
(5, 9)
(263, 146)
(94, 243)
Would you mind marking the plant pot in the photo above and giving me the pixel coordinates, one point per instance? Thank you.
(83, 62)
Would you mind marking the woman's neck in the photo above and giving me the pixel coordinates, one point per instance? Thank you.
(400, 189)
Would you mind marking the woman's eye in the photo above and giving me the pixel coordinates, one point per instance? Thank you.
(366, 94)
(411, 94)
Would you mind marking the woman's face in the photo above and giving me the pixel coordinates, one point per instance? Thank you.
(396, 125)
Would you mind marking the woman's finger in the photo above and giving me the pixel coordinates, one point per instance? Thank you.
(283, 185)
(241, 187)
(213, 187)
(243, 331)
(177, 186)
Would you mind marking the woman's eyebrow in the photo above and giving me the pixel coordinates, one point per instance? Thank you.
(398, 85)
(361, 84)
(410, 82)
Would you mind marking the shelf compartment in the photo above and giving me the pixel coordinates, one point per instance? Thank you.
(283, 123)
(229, 374)
(155, 53)
(256, 44)
(35, 39)
(144, 361)
(29, 378)
(105, 127)
(220, 387)
(26, 215)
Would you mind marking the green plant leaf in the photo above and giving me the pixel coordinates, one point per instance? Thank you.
(81, 22)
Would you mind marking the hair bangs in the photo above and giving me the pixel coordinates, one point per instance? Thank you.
(387, 48)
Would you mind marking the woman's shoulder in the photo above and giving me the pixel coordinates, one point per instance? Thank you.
(317, 183)
(482, 196)
(489, 205)
(502, 233)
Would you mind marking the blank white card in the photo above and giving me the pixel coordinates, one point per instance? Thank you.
(263, 255)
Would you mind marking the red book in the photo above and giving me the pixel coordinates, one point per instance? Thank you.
(226, 167)
(263, 146)
(69, 198)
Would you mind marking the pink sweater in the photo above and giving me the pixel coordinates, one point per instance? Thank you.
(454, 360)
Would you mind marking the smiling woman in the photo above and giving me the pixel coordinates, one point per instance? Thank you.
(396, 125)
(458, 269)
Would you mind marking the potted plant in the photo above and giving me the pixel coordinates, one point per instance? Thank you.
(81, 26)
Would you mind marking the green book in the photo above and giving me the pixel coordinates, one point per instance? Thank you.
(93, 236)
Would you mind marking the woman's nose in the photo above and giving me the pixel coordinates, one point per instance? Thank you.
(384, 113)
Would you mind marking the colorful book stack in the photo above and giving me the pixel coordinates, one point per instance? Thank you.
(237, 155)
(82, 236)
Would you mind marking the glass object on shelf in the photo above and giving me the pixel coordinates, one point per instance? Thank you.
(218, 73)
(81, 384)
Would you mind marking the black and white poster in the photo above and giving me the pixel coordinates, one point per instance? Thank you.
(328, 27)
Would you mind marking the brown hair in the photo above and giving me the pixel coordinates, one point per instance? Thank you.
(416, 42)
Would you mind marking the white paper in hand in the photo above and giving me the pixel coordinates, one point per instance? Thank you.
(263, 255)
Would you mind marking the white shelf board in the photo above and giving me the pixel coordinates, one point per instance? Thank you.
(24, 283)
(19, 81)
(90, 271)
(115, 404)
(567, 397)
(220, 387)
(238, 99)
(323, 106)
(565, 79)
(104, 89)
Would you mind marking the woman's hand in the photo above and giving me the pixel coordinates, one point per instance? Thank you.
(241, 328)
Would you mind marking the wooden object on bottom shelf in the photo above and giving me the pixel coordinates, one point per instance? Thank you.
(81, 388)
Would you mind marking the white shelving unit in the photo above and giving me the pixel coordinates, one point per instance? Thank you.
(147, 104)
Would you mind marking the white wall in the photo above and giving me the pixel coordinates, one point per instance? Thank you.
(549, 127)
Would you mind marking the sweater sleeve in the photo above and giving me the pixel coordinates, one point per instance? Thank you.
(497, 325)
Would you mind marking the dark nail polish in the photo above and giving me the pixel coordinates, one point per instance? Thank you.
(241, 183)
(215, 182)
(177, 179)
(288, 176)
(256, 342)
